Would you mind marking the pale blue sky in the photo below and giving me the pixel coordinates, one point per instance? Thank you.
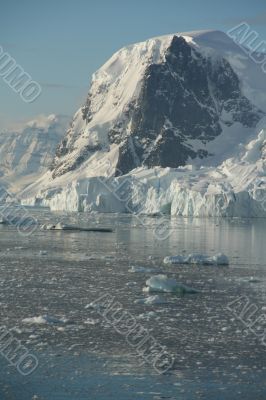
(60, 43)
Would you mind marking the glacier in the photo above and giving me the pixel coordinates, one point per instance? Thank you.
(236, 188)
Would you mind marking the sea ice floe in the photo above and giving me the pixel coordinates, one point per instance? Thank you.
(161, 283)
(156, 299)
(200, 259)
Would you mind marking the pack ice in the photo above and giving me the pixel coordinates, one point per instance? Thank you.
(200, 259)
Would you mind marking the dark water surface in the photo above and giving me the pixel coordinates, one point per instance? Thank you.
(81, 356)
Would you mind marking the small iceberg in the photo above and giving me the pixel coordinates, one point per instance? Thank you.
(63, 227)
(151, 300)
(44, 319)
(161, 283)
(200, 259)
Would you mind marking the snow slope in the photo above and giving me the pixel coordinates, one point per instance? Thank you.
(173, 124)
(27, 153)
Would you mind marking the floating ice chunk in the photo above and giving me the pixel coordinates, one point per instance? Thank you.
(140, 269)
(161, 283)
(148, 315)
(60, 226)
(44, 319)
(131, 284)
(220, 259)
(95, 306)
(156, 299)
(201, 259)
(253, 279)
(47, 227)
(64, 227)
(50, 227)
(91, 321)
(175, 260)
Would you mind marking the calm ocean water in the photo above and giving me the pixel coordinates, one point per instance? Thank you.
(81, 356)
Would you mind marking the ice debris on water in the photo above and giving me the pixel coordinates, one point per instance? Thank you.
(200, 259)
(156, 299)
(161, 283)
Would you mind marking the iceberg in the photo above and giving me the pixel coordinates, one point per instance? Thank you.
(161, 283)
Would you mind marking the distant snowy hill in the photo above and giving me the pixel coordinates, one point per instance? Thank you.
(176, 112)
(27, 153)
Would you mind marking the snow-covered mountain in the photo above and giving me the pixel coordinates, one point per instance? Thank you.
(154, 109)
(164, 102)
(25, 154)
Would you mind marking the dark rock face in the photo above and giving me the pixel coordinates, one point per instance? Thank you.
(188, 96)
(183, 98)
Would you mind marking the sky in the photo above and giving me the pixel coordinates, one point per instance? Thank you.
(60, 43)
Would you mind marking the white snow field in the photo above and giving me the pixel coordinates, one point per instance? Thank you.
(229, 183)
